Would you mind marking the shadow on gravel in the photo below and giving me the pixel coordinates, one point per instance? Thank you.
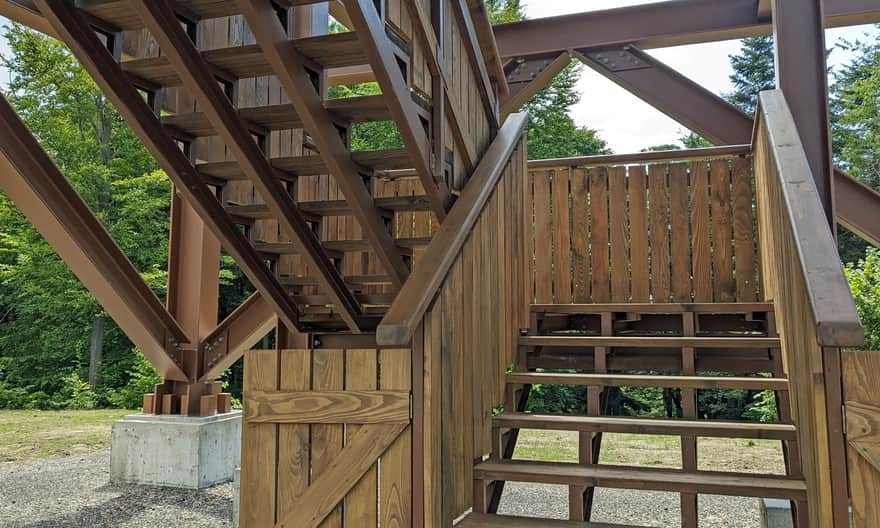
(131, 501)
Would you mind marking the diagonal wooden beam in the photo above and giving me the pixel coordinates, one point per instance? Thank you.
(239, 332)
(198, 77)
(290, 68)
(521, 92)
(39, 190)
(360, 454)
(72, 26)
(377, 46)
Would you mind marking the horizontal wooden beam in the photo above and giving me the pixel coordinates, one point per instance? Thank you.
(327, 407)
(40, 191)
(636, 380)
(660, 24)
(419, 291)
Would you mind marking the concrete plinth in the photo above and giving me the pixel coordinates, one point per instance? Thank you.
(776, 513)
(175, 451)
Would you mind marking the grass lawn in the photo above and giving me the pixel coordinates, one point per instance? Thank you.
(715, 454)
(30, 435)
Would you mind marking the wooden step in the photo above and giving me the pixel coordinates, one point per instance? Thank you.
(647, 426)
(333, 207)
(284, 117)
(660, 308)
(351, 280)
(376, 161)
(121, 15)
(734, 484)
(649, 342)
(241, 62)
(483, 520)
(342, 246)
(637, 380)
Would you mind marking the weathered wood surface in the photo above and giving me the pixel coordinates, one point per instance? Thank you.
(319, 423)
(861, 393)
(643, 228)
(815, 312)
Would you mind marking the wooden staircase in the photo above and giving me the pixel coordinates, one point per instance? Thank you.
(689, 347)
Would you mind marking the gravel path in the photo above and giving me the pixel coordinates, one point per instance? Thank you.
(75, 491)
(639, 508)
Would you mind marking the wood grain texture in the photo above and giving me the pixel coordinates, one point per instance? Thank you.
(620, 265)
(861, 394)
(658, 202)
(638, 210)
(599, 253)
(258, 441)
(561, 238)
(327, 407)
(580, 242)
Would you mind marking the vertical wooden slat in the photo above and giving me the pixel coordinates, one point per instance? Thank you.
(580, 236)
(744, 231)
(680, 232)
(561, 238)
(293, 439)
(258, 441)
(361, 373)
(601, 284)
(327, 440)
(658, 200)
(702, 252)
(638, 227)
(722, 249)
(396, 473)
(543, 240)
(619, 242)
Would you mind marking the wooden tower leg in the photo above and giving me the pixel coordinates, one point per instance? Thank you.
(689, 508)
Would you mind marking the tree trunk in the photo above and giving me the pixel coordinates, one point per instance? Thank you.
(96, 349)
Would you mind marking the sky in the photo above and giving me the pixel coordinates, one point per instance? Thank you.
(624, 121)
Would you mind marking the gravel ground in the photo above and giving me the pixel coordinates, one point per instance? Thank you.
(75, 491)
(639, 508)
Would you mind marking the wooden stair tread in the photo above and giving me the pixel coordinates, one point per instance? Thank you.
(662, 308)
(330, 51)
(343, 246)
(651, 426)
(121, 15)
(734, 484)
(650, 342)
(333, 207)
(639, 380)
(483, 520)
(375, 160)
(284, 117)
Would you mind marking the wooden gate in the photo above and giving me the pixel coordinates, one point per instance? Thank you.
(327, 439)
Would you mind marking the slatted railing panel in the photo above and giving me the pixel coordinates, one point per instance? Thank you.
(662, 232)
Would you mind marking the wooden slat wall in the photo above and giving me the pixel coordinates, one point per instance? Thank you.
(861, 390)
(280, 461)
(468, 340)
(664, 232)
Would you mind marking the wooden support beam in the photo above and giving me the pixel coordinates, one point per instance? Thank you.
(95, 58)
(290, 68)
(327, 407)
(802, 75)
(197, 76)
(39, 190)
(377, 46)
(522, 92)
(240, 331)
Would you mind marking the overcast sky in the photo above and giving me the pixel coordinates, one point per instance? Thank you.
(625, 122)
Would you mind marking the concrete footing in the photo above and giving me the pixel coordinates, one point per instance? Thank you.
(176, 451)
(236, 497)
(776, 513)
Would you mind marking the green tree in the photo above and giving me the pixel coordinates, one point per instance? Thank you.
(864, 282)
(754, 70)
(552, 132)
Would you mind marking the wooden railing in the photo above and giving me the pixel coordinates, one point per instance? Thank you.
(460, 311)
(674, 226)
(815, 312)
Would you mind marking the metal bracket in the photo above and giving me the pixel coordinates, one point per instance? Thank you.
(616, 60)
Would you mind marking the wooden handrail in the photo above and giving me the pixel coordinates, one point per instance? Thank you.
(642, 157)
(419, 291)
(834, 311)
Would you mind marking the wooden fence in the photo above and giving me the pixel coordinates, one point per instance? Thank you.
(658, 232)
(327, 438)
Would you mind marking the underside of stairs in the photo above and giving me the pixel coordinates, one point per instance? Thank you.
(682, 348)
